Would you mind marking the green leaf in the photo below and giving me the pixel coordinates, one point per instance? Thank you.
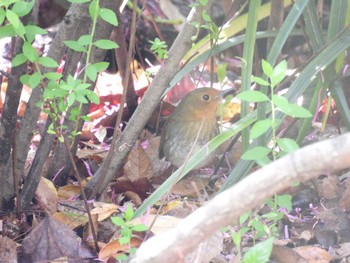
(267, 68)
(82, 86)
(22, 8)
(129, 213)
(34, 30)
(284, 201)
(24, 79)
(70, 99)
(252, 96)
(244, 217)
(222, 72)
(81, 97)
(105, 44)
(53, 76)
(2, 15)
(109, 16)
(48, 62)
(280, 102)
(261, 252)
(91, 72)
(34, 80)
(203, 2)
(259, 128)
(85, 40)
(139, 228)
(122, 257)
(92, 96)
(279, 73)
(298, 111)
(118, 221)
(7, 31)
(66, 87)
(15, 22)
(94, 9)
(256, 153)
(260, 81)
(124, 240)
(18, 60)
(75, 46)
(101, 66)
(206, 17)
(30, 52)
(287, 145)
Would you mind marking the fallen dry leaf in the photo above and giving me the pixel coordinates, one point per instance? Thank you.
(114, 248)
(50, 240)
(46, 195)
(8, 250)
(190, 186)
(70, 219)
(68, 192)
(137, 165)
(344, 202)
(283, 254)
(313, 254)
(103, 210)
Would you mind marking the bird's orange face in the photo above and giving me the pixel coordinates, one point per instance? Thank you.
(199, 104)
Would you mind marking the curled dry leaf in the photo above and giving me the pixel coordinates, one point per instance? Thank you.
(103, 210)
(114, 248)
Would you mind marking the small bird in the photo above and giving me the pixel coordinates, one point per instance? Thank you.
(191, 126)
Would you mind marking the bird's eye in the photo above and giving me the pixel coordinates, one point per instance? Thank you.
(206, 97)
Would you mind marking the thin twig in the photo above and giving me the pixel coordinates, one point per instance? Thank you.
(78, 177)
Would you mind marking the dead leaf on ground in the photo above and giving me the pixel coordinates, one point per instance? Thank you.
(103, 210)
(192, 186)
(70, 219)
(341, 251)
(180, 209)
(283, 254)
(207, 249)
(68, 192)
(46, 195)
(344, 202)
(313, 254)
(137, 164)
(8, 250)
(162, 223)
(114, 249)
(329, 187)
(50, 240)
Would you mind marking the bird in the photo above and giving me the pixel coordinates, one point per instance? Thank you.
(191, 126)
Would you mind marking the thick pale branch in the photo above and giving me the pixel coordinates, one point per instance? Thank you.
(307, 163)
